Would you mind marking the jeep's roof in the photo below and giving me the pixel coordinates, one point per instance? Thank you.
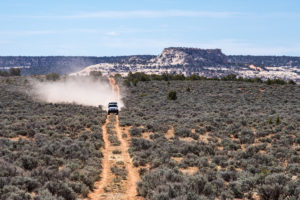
(113, 104)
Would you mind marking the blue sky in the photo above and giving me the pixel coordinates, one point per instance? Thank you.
(119, 27)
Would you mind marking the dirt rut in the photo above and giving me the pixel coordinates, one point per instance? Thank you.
(118, 179)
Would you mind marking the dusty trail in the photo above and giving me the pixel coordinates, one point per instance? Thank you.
(115, 87)
(99, 185)
(111, 186)
(133, 175)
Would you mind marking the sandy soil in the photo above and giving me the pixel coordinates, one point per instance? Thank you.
(189, 170)
(99, 185)
(133, 175)
(170, 133)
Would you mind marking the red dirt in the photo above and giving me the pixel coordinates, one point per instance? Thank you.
(170, 133)
(133, 175)
(99, 185)
(189, 170)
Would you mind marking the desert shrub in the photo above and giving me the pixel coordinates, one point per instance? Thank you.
(247, 137)
(229, 77)
(12, 192)
(29, 162)
(274, 187)
(142, 171)
(140, 144)
(61, 189)
(236, 189)
(228, 175)
(116, 152)
(4, 73)
(182, 132)
(114, 140)
(275, 81)
(197, 184)
(119, 172)
(135, 132)
(172, 184)
(95, 74)
(52, 77)
(46, 195)
(172, 95)
(25, 183)
(291, 82)
(277, 120)
(15, 71)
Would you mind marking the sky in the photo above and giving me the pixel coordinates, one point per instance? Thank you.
(138, 27)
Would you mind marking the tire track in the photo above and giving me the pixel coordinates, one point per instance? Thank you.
(99, 185)
(107, 187)
(133, 175)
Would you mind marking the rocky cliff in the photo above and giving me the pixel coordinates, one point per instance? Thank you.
(190, 57)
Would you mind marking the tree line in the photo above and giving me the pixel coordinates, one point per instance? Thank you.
(134, 78)
(11, 72)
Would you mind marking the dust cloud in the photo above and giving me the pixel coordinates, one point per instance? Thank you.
(78, 90)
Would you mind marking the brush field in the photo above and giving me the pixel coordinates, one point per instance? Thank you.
(218, 139)
(47, 151)
(188, 140)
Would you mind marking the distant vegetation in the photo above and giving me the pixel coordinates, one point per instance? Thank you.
(11, 72)
(37, 65)
(134, 78)
(52, 77)
(95, 74)
(264, 60)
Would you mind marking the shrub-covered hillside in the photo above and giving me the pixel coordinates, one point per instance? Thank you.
(216, 139)
(47, 151)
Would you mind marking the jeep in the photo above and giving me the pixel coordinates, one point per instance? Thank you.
(113, 108)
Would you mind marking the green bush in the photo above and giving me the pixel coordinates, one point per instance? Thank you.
(52, 77)
(95, 74)
(134, 131)
(4, 73)
(172, 95)
(277, 120)
(15, 71)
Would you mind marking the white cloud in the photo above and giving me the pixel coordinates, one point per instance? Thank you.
(112, 33)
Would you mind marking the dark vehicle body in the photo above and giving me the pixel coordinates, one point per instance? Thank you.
(113, 108)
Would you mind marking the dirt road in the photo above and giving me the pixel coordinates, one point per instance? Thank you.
(119, 177)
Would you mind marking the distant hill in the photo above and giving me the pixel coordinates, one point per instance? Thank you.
(59, 64)
(206, 62)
